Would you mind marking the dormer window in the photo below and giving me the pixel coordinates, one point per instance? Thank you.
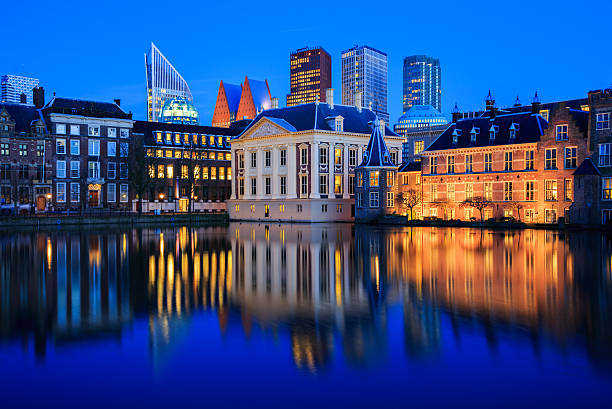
(456, 134)
(493, 132)
(473, 133)
(513, 128)
(339, 124)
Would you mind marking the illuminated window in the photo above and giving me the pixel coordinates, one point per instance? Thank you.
(604, 154)
(205, 172)
(450, 192)
(158, 137)
(338, 184)
(237, 208)
(281, 208)
(529, 160)
(507, 161)
(228, 156)
(170, 171)
(390, 177)
(606, 188)
(418, 147)
(178, 154)
(488, 190)
(469, 191)
(468, 163)
(508, 191)
(213, 173)
(360, 179)
(488, 162)
(550, 190)
(228, 172)
(196, 172)
(161, 172)
(568, 189)
(177, 138)
(530, 190)
(338, 156)
(374, 175)
(433, 165)
(168, 153)
(390, 199)
(450, 164)
(152, 171)
(561, 132)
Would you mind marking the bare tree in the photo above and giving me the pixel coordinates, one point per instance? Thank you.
(140, 166)
(443, 205)
(518, 206)
(479, 203)
(409, 200)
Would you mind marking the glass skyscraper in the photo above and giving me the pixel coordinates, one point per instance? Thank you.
(13, 86)
(364, 71)
(422, 82)
(163, 83)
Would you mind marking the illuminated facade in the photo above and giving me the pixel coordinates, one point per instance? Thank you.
(310, 75)
(422, 82)
(179, 111)
(17, 89)
(364, 76)
(241, 102)
(419, 116)
(163, 83)
(226, 107)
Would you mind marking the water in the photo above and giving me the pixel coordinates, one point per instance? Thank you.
(305, 316)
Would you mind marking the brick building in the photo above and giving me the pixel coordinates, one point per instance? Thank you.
(239, 102)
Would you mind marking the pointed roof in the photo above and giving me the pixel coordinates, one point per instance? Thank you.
(376, 153)
(587, 168)
(232, 94)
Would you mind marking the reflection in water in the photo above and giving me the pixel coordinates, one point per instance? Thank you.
(328, 288)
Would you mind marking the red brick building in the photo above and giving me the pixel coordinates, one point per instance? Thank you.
(239, 102)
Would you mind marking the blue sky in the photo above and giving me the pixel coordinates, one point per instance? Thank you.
(84, 50)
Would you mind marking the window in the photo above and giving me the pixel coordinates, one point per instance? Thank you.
(529, 160)
(213, 173)
(60, 169)
(374, 176)
(252, 208)
(111, 148)
(111, 192)
(338, 184)
(253, 159)
(75, 167)
(75, 130)
(221, 173)
(124, 149)
(551, 215)
(434, 191)
(112, 133)
(60, 129)
(303, 156)
(606, 188)
(229, 173)
(390, 177)
(338, 156)
(323, 155)
(450, 164)
(205, 172)
(60, 147)
(4, 149)
(123, 170)
(93, 131)
(352, 157)
(567, 186)
(241, 160)
(418, 147)
(570, 157)
(433, 165)
(323, 208)
(390, 199)
(40, 150)
(360, 179)
(530, 190)
(111, 170)
(304, 185)
(323, 184)
(60, 192)
(338, 208)
(351, 184)
(23, 149)
(253, 186)
(561, 132)
(123, 193)
(450, 192)
(169, 171)
(23, 172)
(405, 179)
(359, 200)
(544, 113)
(281, 208)
(468, 163)
(299, 208)
(550, 190)
(283, 157)
(241, 187)
(469, 191)
(604, 154)
(488, 162)
(339, 125)
(493, 132)
(268, 185)
(93, 170)
(551, 159)
(75, 192)
(267, 159)
(529, 215)
(507, 161)
(507, 191)
(373, 199)
(75, 147)
(94, 147)
(283, 185)
(602, 121)
(488, 190)
(473, 133)
(5, 171)
(124, 133)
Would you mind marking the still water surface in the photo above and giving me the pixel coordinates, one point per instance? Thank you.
(305, 316)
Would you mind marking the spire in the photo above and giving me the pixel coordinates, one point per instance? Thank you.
(456, 113)
(376, 153)
(536, 98)
(489, 101)
(535, 104)
(517, 103)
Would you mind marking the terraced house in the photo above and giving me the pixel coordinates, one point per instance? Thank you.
(518, 162)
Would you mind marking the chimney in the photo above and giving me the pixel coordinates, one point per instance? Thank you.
(357, 98)
(118, 102)
(39, 97)
(456, 113)
(536, 105)
(329, 97)
(274, 103)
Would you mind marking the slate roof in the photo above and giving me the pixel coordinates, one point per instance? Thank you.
(313, 116)
(147, 128)
(376, 153)
(260, 93)
(587, 168)
(530, 129)
(410, 167)
(233, 93)
(550, 106)
(23, 115)
(582, 119)
(85, 108)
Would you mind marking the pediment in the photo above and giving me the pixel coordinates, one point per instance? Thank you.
(265, 127)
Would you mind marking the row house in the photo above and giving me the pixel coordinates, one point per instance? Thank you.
(25, 163)
(298, 163)
(187, 163)
(91, 146)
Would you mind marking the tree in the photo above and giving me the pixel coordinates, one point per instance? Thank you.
(188, 175)
(139, 165)
(478, 202)
(443, 205)
(516, 206)
(409, 200)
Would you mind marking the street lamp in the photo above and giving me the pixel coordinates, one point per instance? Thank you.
(161, 196)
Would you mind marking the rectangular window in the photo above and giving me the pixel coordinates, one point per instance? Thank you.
(60, 169)
(374, 176)
(571, 158)
(112, 133)
(390, 199)
(551, 159)
(123, 192)
(123, 170)
(606, 188)
(268, 185)
(170, 171)
(450, 192)
(323, 184)
(267, 159)
(390, 178)
(488, 190)
(75, 130)
(360, 179)
(433, 165)
(241, 160)
(75, 147)
(281, 208)
(93, 130)
(551, 215)
(213, 173)
(60, 191)
(303, 156)
(507, 191)
(323, 208)
(111, 148)
(205, 172)
(253, 159)
(75, 167)
(241, 187)
(111, 170)
(450, 164)
(283, 185)
(351, 184)
(124, 149)
(75, 192)
(338, 184)
(253, 186)
(469, 191)
(530, 190)
(561, 132)
(507, 161)
(550, 190)
(530, 160)
(124, 133)
(23, 149)
(94, 147)
(373, 199)
(604, 154)
(434, 191)
(283, 157)
(60, 129)
(93, 170)
(229, 173)
(60, 146)
(352, 157)
(221, 173)
(111, 192)
(418, 147)
(160, 172)
(4, 149)
(569, 192)
(40, 150)
(468, 163)
(488, 162)
(602, 121)
(338, 156)
(323, 155)
(304, 185)
(359, 200)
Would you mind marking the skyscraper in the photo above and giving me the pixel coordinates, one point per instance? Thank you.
(163, 82)
(13, 86)
(422, 82)
(310, 71)
(364, 70)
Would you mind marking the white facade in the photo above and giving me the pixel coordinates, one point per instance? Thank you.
(305, 176)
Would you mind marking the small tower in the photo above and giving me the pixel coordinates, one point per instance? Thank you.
(489, 102)
(375, 179)
(536, 105)
(456, 113)
(517, 102)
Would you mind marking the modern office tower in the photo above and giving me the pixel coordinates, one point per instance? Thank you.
(364, 71)
(310, 71)
(163, 82)
(422, 82)
(14, 87)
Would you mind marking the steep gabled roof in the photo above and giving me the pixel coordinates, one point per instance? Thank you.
(23, 115)
(376, 154)
(232, 93)
(261, 94)
(587, 168)
(410, 167)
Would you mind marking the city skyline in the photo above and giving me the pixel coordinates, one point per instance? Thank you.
(464, 82)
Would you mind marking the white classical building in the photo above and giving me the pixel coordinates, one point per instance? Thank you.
(298, 163)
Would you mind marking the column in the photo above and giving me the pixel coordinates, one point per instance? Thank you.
(260, 179)
(345, 173)
(332, 169)
(314, 170)
(291, 172)
(234, 174)
(275, 178)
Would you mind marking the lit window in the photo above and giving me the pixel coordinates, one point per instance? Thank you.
(529, 159)
(561, 132)
(550, 189)
(374, 176)
(507, 161)
(604, 154)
